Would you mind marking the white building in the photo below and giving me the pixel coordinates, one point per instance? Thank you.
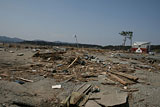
(141, 47)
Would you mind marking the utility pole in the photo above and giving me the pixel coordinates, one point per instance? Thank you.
(76, 41)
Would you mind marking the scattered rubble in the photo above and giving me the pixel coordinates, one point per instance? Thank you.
(72, 77)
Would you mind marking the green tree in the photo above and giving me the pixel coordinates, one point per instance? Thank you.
(127, 34)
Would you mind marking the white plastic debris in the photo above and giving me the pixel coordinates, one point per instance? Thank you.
(34, 50)
(11, 51)
(125, 87)
(56, 86)
(20, 54)
(34, 70)
(48, 59)
(109, 67)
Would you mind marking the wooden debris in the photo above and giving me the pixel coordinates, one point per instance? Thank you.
(68, 79)
(78, 97)
(85, 89)
(27, 80)
(134, 78)
(84, 100)
(118, 79)
(130, 90)
(75, 97)
(78, 87)
(66, 102)
(72, 62)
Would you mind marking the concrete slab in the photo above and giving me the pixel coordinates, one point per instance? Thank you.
(112, 99)
(92, 103)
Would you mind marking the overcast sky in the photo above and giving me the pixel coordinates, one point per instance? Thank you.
(93, 21)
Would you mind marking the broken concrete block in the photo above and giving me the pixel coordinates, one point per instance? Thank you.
(112, 99)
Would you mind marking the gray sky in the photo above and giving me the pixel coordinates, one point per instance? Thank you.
(93, 21)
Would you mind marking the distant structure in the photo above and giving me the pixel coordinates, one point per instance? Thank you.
(127, 34)
(141, 47)
(76, 41)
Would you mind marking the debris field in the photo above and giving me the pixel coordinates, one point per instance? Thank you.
(82, 77)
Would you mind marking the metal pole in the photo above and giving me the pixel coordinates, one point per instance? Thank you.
(76, 41)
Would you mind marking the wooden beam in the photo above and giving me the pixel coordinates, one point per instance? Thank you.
(27, 80)
(134, 78)
(118, 79)
(72, 62)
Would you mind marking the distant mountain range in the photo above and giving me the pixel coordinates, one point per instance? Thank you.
(6, 39)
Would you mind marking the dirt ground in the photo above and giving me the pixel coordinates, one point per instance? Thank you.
(28, 74)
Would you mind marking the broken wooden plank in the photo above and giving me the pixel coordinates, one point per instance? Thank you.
(72, 62)
(118, 79)
(131, 77)
(66, 102)
(79, 87)
(75, 97)
(85, 89)
(84, 101)
(68, 79)
(94, 98)
(88, 75)
(27, 80)
(129, 90)
(78, 96)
